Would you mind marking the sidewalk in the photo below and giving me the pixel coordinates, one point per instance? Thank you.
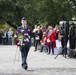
(38, 63)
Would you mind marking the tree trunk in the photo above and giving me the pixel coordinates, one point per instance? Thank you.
(12, 25)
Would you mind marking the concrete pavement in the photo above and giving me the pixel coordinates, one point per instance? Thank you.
(38, 63)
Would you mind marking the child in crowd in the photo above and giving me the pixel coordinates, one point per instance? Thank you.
(43, 41)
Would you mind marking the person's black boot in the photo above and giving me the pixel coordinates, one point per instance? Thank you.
(25, 67)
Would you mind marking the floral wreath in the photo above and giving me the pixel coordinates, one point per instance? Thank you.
(21, 37)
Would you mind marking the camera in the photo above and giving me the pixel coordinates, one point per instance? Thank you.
(64, 27)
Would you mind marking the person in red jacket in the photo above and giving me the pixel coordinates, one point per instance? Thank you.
(56, 31)
(52, 38)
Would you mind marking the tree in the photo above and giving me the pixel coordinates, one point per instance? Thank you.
(36, 11)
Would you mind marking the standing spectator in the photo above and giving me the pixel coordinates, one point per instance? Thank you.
(37, 39)
(56, 31)
(0, 38)
(48, 30)
(51, 36)
(10, 36)
(40, 33)
(34, 32)
(43, 28)
(4, 37)
(43, 41)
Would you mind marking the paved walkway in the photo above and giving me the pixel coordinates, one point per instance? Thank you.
(39, 63)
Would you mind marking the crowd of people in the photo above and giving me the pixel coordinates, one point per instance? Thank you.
(45, 37)
(6, 37)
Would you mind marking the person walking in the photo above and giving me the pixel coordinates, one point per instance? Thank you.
(24, 49)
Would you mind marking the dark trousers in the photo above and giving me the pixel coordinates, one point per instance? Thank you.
(64, 45)
(24, 53)
(51, 47)
(36, 43)
(4, 41)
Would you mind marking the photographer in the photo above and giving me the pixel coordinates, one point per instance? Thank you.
(64, 41)
(64, 31)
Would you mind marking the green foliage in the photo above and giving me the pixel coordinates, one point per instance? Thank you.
(4, 26)
(37, 11)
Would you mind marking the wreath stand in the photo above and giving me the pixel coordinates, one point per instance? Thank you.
(17, 53)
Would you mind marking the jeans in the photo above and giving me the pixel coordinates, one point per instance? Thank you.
(42, 48)
(9, 41)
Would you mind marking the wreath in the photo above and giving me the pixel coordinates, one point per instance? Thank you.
(21, 38)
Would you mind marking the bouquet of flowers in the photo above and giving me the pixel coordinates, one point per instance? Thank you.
(21, 37)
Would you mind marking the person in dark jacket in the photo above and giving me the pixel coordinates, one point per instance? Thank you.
(4, 37)
(38, 37)
(25, 49)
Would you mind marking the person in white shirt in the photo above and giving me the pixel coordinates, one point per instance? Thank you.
(34, 32)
